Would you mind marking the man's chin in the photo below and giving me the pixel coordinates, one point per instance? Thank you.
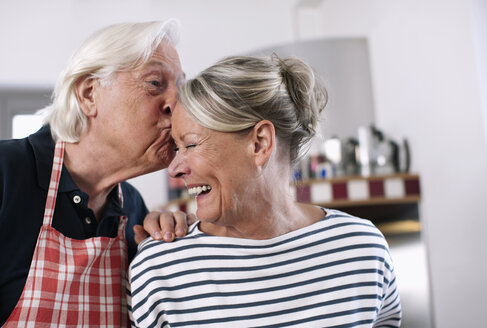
(165, 153)
(164, 157)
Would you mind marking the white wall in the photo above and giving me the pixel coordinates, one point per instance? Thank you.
(41, 35)
(478, 9)
(425, 85)
(426, 88)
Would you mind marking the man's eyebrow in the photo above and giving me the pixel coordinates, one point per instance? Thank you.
(180, 78)
(156, 62)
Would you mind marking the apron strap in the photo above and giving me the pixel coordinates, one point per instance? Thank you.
(120, 194)
(123, 219)
(57, 166)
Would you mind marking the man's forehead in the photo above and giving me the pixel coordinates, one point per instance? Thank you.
(167, 58)
(168, 53)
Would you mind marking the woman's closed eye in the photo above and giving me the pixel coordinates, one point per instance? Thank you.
(186, 147)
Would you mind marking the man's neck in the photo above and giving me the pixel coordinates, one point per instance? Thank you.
(95, 171)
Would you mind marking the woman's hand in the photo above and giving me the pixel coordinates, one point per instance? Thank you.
(164, 225)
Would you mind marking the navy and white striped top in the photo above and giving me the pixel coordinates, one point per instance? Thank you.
(334, 273)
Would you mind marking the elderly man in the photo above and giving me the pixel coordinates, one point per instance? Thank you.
(67, 218)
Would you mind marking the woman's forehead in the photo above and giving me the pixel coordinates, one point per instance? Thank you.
(182, 122)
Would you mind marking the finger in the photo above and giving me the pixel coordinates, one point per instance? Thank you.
(167, 224)
(152, 226)
(180, 218)
(139, 233)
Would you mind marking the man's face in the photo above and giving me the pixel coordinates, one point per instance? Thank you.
(134, 111)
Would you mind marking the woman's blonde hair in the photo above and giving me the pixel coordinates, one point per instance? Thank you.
(238, 92)
(119, 47)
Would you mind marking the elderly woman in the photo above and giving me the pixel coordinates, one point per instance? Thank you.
(65, 258)
(256, 257)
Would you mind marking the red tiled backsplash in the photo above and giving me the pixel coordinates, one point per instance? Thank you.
(358, 189)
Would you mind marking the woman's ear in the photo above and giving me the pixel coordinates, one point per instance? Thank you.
(263, 141)
(85, 93)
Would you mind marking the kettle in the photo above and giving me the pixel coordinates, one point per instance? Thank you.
(379, 155)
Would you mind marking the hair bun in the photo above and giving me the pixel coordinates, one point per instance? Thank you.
(305, 90)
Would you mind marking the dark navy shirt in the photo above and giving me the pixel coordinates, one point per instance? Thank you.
(25, 169)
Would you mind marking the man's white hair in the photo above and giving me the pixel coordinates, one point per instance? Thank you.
(116, 48)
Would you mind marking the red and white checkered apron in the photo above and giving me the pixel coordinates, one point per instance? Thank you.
(73, 283)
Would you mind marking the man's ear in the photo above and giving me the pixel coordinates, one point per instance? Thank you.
(263, 137)
(85, 93)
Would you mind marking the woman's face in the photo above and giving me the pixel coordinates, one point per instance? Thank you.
(216, 167)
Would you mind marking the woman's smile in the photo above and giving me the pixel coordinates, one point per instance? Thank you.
(198, 190)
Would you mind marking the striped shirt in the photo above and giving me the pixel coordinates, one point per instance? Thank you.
(334, 273)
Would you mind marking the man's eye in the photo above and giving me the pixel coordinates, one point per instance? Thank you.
(155, 83)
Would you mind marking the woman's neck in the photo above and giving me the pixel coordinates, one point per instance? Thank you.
(267, 227)
(266, 215)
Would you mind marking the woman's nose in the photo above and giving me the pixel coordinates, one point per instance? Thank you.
(178, 167)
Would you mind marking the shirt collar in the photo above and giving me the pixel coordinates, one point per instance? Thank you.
(43, 146)
(113, 207)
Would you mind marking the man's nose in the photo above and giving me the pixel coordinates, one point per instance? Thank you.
(170, 99)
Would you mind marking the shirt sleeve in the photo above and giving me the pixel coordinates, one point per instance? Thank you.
(390, 313)
(133, 323)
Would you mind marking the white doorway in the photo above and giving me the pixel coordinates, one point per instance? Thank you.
(18, 109)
